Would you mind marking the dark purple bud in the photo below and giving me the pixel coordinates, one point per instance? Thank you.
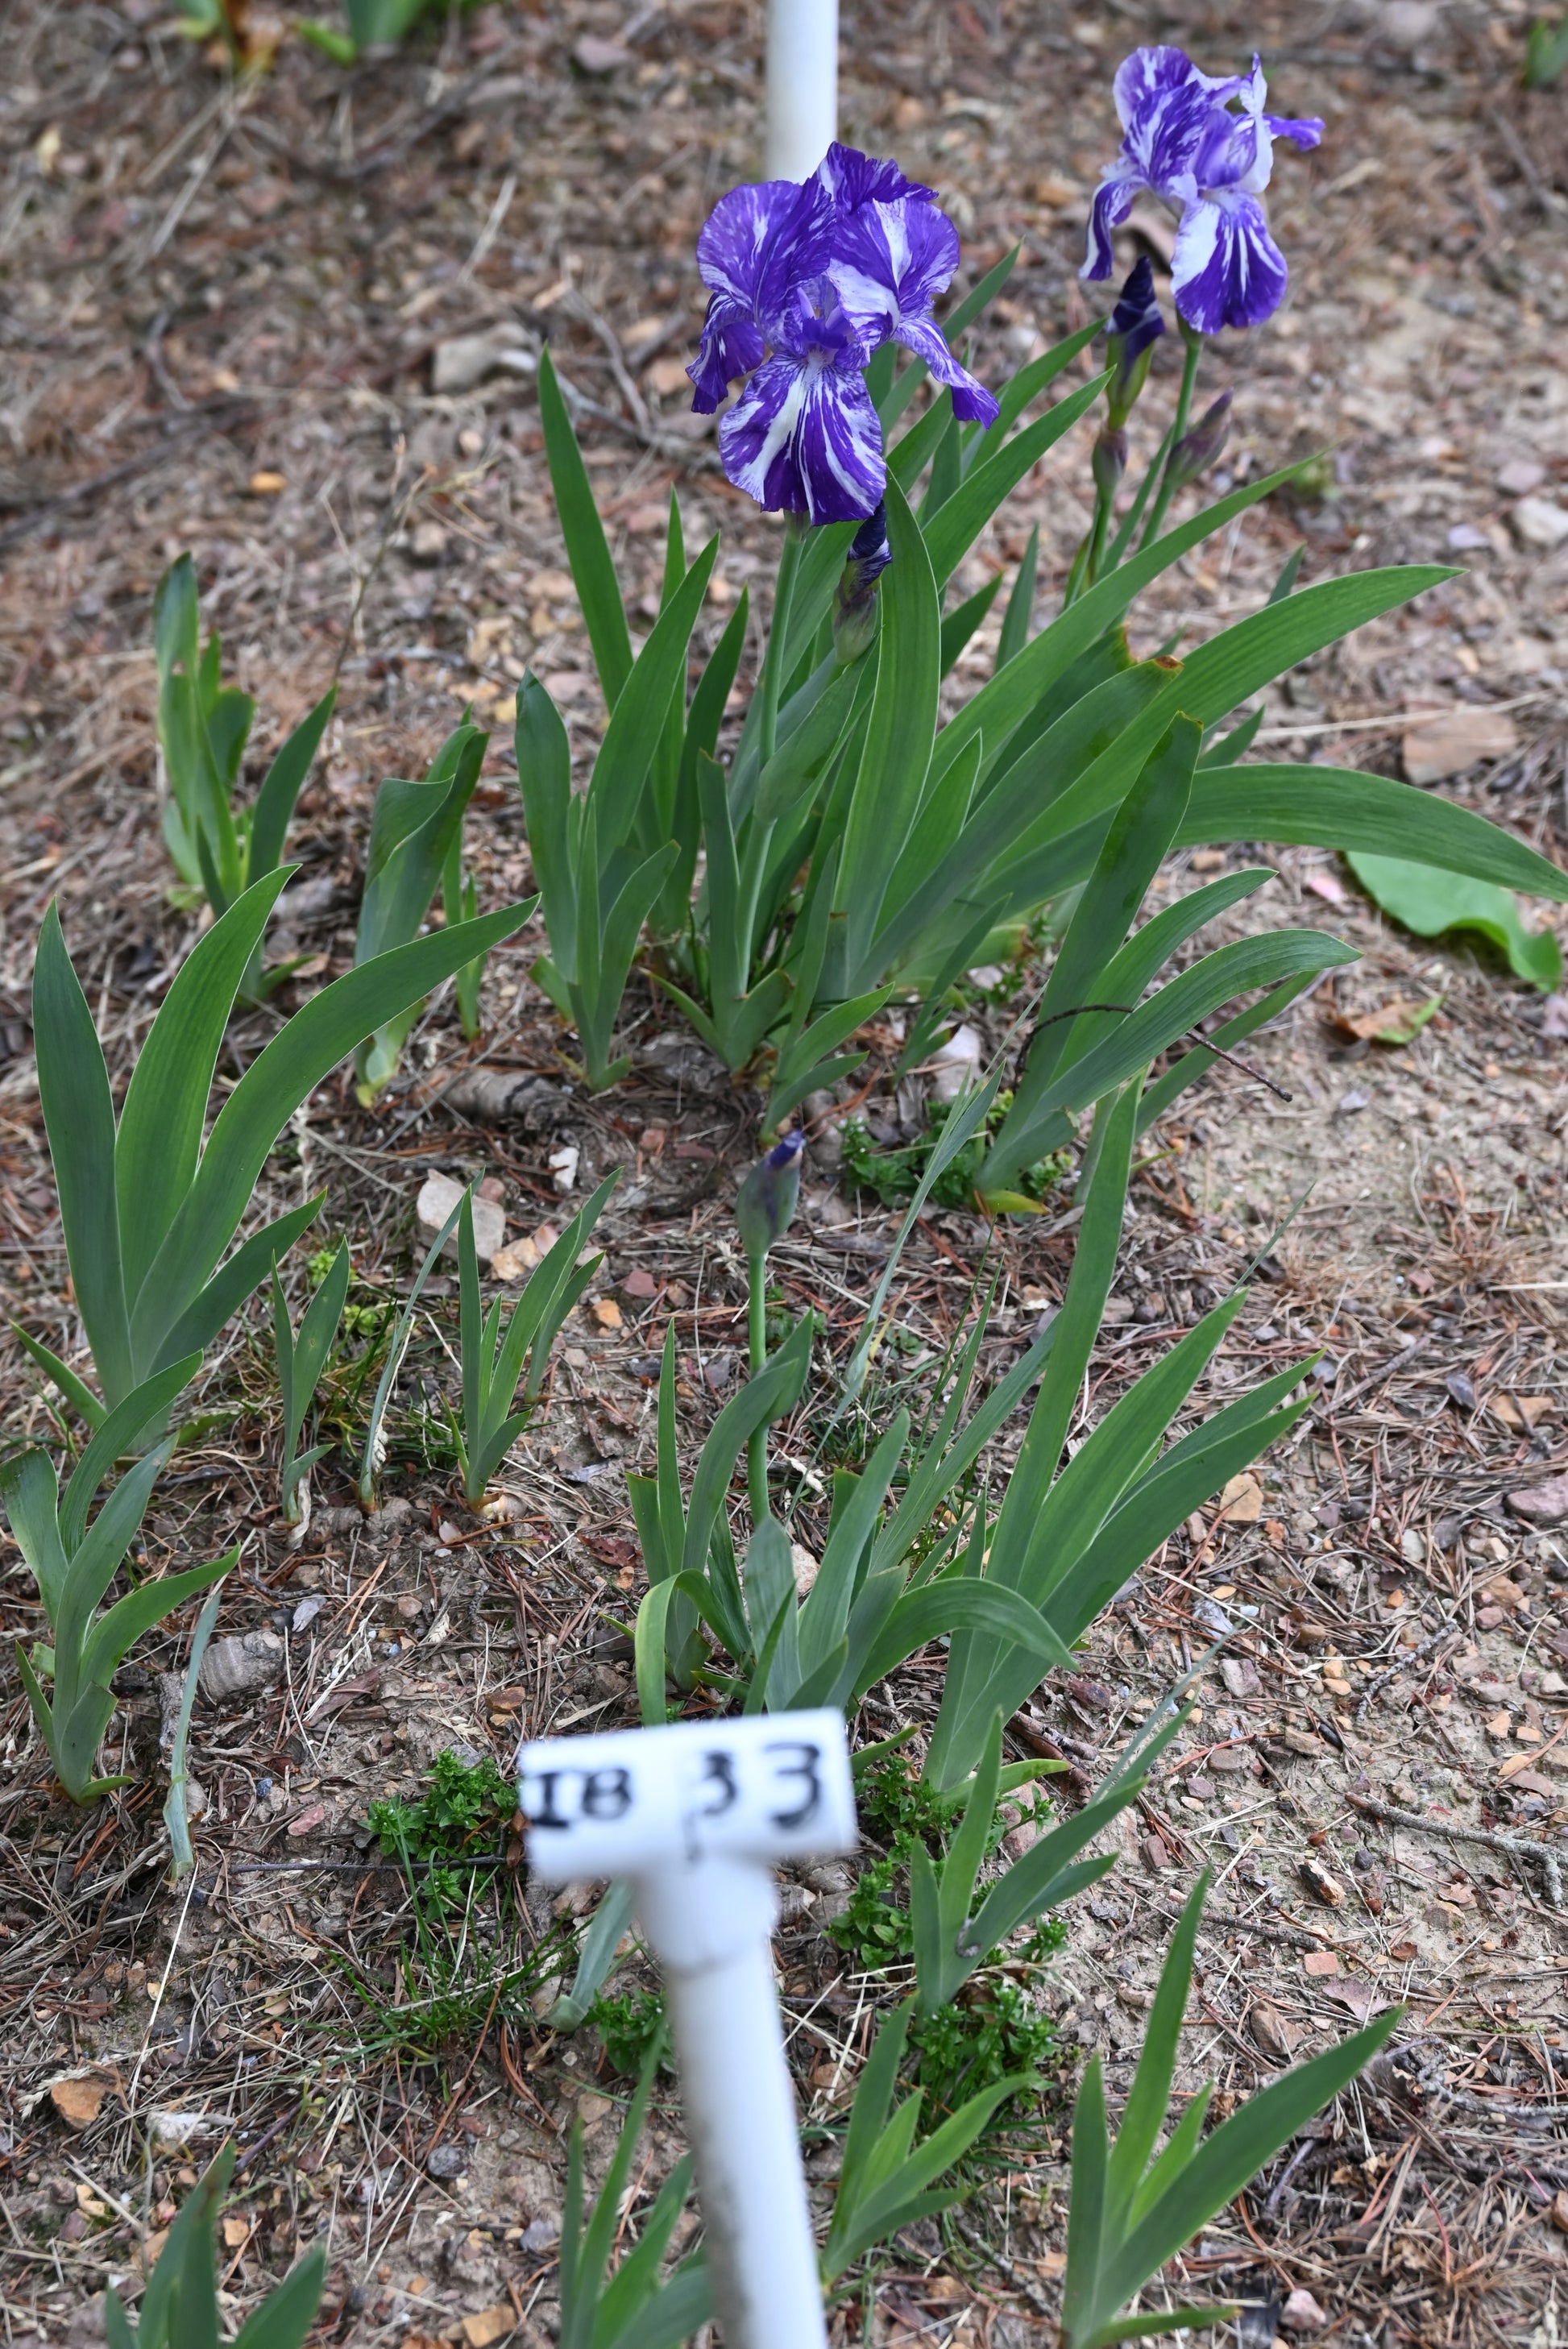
(855, 612)
(1136, 325)
(1198, 450)
(765, 1203)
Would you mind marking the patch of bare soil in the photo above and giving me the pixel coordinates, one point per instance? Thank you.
(241, 322)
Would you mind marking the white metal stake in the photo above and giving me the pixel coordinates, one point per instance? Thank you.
(697, 1815)
(802, 86)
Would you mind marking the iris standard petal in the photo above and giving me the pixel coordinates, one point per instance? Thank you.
(1153, 72)
(759, 242)
(852, 179)
(804, 437)
(1226, 270)
(890, 263)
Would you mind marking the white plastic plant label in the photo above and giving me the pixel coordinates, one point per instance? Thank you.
(641, 1802)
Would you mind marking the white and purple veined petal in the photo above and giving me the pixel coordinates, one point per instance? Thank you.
(890, 263)
(804, 437)
(755, 247)
(1151, 74)
(972, 403)
(852, 179)
(1227, 270)
(1113, 201)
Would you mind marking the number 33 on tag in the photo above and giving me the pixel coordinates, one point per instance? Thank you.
(639, 1802)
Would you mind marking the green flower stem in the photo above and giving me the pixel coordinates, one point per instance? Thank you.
(1167, 491)
(756, 1445)
(777, 653)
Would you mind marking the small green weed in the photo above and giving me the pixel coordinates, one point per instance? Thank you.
(472, 1953)
(973, 2043)
(894, 1175)
(897, 1806)
(461, 1818)
(628, 2021)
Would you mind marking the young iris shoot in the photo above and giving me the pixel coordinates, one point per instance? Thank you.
(179, 2309)
(148, 1208)
(300, 1362)
(203, 728)
(495, 1346)
(1133, 2208)
(73, 1563)
(416, 830)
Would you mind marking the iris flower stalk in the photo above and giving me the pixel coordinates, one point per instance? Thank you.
(1202, 143)
(764, 1210)
(1136, 325)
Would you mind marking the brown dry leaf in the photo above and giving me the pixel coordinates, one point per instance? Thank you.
(1560, 2210)
(1521, 1412)
(78, 2096)
(236, 2230)
(1278, 2037)
(265, 484)
(488, 2325)
(1499, 1725)
(606, 1313)
(1452, 740)
(1399, 1021)
(1242, 1502)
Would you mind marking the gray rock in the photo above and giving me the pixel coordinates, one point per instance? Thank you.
(245, 1661)
(463, 361)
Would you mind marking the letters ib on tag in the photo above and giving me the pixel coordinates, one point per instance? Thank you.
(638, 1802)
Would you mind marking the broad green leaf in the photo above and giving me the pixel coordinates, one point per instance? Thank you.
(165, 1110)
(544, 779)
(1422, 898)
(889, 784)
(631, 741)
(587, 550)
(30, 1497)
(281, 1076)
(78, 1117)
(282, 786)
(1333, 807)
(146, 1406)
(234, 1280)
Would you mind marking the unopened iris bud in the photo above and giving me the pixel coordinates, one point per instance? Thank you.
(765, 1203)
(1110, 459)
(1198, 450)
(855, 611)
(1136, 325)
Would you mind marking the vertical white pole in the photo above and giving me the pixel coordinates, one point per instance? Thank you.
(709, 1927)
(802, 86)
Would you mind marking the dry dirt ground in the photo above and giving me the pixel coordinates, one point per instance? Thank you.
(223, 318)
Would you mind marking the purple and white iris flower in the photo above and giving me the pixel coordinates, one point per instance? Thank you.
(806, 279)
(1182, 141)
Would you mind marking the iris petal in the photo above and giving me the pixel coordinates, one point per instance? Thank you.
(804, 437)
(1227, 270)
